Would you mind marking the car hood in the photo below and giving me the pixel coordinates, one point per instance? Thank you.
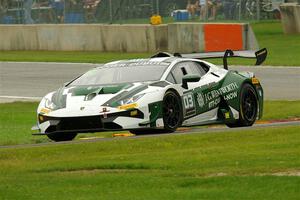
(103, 95)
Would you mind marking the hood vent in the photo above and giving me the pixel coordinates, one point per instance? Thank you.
(90, 96)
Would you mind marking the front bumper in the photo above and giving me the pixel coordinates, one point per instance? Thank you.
(87, 124)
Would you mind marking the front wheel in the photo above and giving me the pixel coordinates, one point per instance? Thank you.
(172, 116)
(172, 111)
(60, 137)
(248, 107)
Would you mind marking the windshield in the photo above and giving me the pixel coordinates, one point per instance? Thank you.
(121, 74)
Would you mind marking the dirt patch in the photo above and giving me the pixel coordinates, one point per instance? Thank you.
(288, 173)
(282, 173)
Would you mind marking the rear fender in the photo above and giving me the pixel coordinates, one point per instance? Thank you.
(238, 79)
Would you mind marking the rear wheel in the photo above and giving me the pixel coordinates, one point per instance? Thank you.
(248, 107)
(59, 137)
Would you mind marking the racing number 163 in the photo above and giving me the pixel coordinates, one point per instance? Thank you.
(188, 101)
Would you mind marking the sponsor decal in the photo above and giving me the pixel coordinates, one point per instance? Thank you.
(200, 99)
(137, 62)
(230, 96)
(223, 90)
(213, 97)
(189, 104)
(214, 103)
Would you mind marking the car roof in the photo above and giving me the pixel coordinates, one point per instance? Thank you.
(140, 61)
(147, 61)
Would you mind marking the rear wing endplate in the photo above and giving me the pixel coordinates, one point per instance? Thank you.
(259, 55)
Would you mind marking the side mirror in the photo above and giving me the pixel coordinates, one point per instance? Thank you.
(189, 78)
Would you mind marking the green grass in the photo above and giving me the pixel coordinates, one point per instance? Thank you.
(231, 165)
(67, 56)
(281, 110)
(284, 50)
(16, 120)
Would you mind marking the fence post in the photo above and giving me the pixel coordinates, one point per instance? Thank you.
(240, 10)
(110, 12)
(258, 10)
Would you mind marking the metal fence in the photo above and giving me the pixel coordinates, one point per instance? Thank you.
(134, 11)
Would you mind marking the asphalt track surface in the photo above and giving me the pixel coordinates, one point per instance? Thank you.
(187, 131)
(31, 81)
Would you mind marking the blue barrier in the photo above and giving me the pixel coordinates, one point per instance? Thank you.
(180, 15)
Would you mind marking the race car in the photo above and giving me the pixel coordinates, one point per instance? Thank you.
(153, 95)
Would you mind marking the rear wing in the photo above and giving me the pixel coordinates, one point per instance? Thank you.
(259, 55)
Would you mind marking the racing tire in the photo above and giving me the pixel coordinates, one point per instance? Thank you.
(172, 112)
(147, 131)
(60, 137)
(248, 107)
(172, 116)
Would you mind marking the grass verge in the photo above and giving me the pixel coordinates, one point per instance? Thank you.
(67, 56)
(283, 50)
(16, 120)
(260, 164)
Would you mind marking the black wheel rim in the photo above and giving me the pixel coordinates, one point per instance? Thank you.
(171, 111)
(249, 106)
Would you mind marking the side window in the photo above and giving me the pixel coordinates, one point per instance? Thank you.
(179, 71)
(170, 78)
(202, 67)
(197, 68)
(184, 68)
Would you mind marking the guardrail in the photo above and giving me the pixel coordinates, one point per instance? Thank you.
(177, 37)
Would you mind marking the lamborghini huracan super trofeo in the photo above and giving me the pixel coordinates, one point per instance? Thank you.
(152, 95)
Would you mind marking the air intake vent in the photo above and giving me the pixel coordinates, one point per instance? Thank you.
(90, 96)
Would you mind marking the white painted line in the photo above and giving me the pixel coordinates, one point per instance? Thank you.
(20, 97)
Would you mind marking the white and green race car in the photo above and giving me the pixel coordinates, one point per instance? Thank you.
(152, 95)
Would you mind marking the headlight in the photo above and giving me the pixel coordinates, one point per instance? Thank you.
(131, 99)
(49, 104)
